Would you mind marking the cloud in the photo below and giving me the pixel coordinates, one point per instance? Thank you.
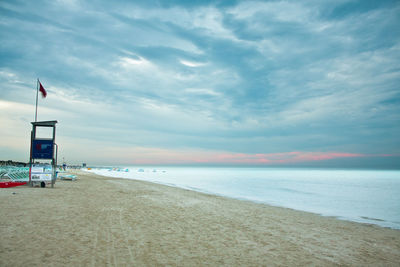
(242, 77)
(283, 158)
(191, 63)
(160, 156)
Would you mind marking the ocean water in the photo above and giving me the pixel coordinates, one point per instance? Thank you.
(366, 196)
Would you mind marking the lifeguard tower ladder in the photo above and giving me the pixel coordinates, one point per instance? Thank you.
(43, 149)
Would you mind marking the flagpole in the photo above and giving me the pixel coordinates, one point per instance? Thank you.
(37, 93)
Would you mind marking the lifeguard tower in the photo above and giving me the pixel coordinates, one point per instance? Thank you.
(43, 149)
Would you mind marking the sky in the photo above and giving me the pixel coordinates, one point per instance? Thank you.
(236, 83)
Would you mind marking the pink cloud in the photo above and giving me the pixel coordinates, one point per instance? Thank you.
(269, 158)
(142, 155)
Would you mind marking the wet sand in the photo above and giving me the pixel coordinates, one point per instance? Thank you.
(98, 221)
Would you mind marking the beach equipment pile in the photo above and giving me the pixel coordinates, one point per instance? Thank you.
(66, 176)
(15, 174)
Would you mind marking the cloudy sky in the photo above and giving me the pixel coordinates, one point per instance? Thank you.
(204, 82)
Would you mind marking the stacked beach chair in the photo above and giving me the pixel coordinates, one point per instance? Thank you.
(15, 174)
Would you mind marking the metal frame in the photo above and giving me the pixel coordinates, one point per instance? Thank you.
(53, 158)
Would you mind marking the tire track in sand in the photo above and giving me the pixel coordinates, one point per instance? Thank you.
(124, 230)
(111, 250)
(95, 240)
(113, 232)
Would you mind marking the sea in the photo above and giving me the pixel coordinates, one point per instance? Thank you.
(364, 196)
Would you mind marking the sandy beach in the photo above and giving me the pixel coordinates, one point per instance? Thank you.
(98, 221)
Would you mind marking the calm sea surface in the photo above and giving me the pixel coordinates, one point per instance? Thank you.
(367, 196)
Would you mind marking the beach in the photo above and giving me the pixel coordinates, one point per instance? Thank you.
(98, 221)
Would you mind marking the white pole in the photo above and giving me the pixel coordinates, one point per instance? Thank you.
(37, 93)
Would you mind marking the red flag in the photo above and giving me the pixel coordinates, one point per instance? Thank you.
(42, 90)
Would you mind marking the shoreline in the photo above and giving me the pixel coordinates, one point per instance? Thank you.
(367, 213)
(99, 220)
(211, 194)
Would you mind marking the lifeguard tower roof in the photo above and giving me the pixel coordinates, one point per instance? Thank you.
(44, 123)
